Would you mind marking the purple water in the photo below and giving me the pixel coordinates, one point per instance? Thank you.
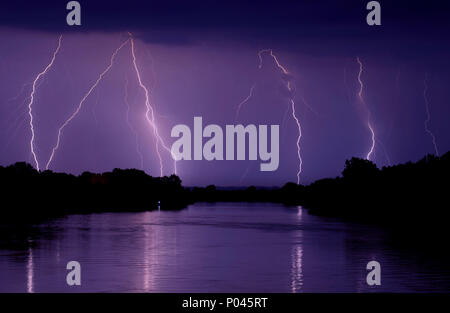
(216, 248)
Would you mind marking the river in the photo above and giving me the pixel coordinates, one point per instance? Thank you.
(221, 247)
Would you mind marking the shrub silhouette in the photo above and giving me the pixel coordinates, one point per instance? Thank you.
(405, 193)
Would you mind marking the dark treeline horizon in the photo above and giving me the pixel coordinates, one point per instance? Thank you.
(363, 190)
(409, 199)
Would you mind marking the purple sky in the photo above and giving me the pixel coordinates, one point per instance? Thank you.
(210, 77)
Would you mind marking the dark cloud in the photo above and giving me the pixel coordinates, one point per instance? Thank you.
(410, 29)
(284, 17)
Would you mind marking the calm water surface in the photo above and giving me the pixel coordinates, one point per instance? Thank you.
(215, 248)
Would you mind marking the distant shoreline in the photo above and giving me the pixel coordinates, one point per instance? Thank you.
(363, 192)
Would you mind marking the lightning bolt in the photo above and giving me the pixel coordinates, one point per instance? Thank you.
(260, 64)
(149, 114)
(31, 97)
(245, 101)
(293, 112)
(80, 105)
(290, 108)
(360, 96)
(22, 89)
(388, 159)
(427, 120)
(141, 157)
(260, 53)
(21, 110)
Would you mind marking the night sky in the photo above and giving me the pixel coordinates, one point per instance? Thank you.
(200, 58)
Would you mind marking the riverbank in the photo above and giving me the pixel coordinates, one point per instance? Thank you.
(393, 194)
